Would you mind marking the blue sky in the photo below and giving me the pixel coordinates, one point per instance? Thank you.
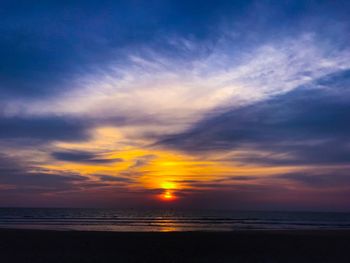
(244, 104)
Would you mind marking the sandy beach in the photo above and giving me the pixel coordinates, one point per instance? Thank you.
(242, 246)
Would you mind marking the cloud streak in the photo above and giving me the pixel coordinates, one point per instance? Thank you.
(83, 157)
(297, 127)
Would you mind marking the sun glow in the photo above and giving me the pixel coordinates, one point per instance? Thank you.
(152, 169)
(168, 185)
(168, 196)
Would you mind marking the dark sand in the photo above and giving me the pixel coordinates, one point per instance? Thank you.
(244, 246)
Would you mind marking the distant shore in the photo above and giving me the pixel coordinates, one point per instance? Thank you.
(241, 246)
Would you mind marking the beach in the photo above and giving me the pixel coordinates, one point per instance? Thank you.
(17, 245)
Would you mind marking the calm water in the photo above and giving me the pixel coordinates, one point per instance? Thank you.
(163, 220)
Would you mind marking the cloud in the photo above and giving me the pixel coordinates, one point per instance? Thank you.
(43, 128)
(153, 95)
(22, 177)
(43, 50)
(74, 72)
(142, 161)
(83, 157)
(110, 178)
(309, 125)
(327, 178)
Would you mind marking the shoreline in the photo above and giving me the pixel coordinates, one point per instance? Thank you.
(344, 231)
(28, 245)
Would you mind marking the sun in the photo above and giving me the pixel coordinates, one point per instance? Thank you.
(168, 196)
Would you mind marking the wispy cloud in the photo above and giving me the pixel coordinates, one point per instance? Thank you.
(83, 157)
(174, 93)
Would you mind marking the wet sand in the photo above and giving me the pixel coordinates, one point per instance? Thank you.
(242, 246)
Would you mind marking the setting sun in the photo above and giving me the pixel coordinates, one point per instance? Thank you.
(167, 196)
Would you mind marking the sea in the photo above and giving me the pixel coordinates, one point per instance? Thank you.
(167, 220)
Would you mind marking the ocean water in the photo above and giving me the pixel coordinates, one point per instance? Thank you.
(167, 220)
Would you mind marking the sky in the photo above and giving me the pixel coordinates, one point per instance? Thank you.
(175, 104)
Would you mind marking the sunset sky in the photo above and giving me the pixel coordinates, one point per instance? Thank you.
(179, 104)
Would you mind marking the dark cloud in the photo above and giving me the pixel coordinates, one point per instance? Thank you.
(83, 157)
(43, 128)
(142, 161)
(222, 182)
(242, 178)
(110, 178)
(327, 178)
(14, 173)
(268, 197)
(309, 125)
